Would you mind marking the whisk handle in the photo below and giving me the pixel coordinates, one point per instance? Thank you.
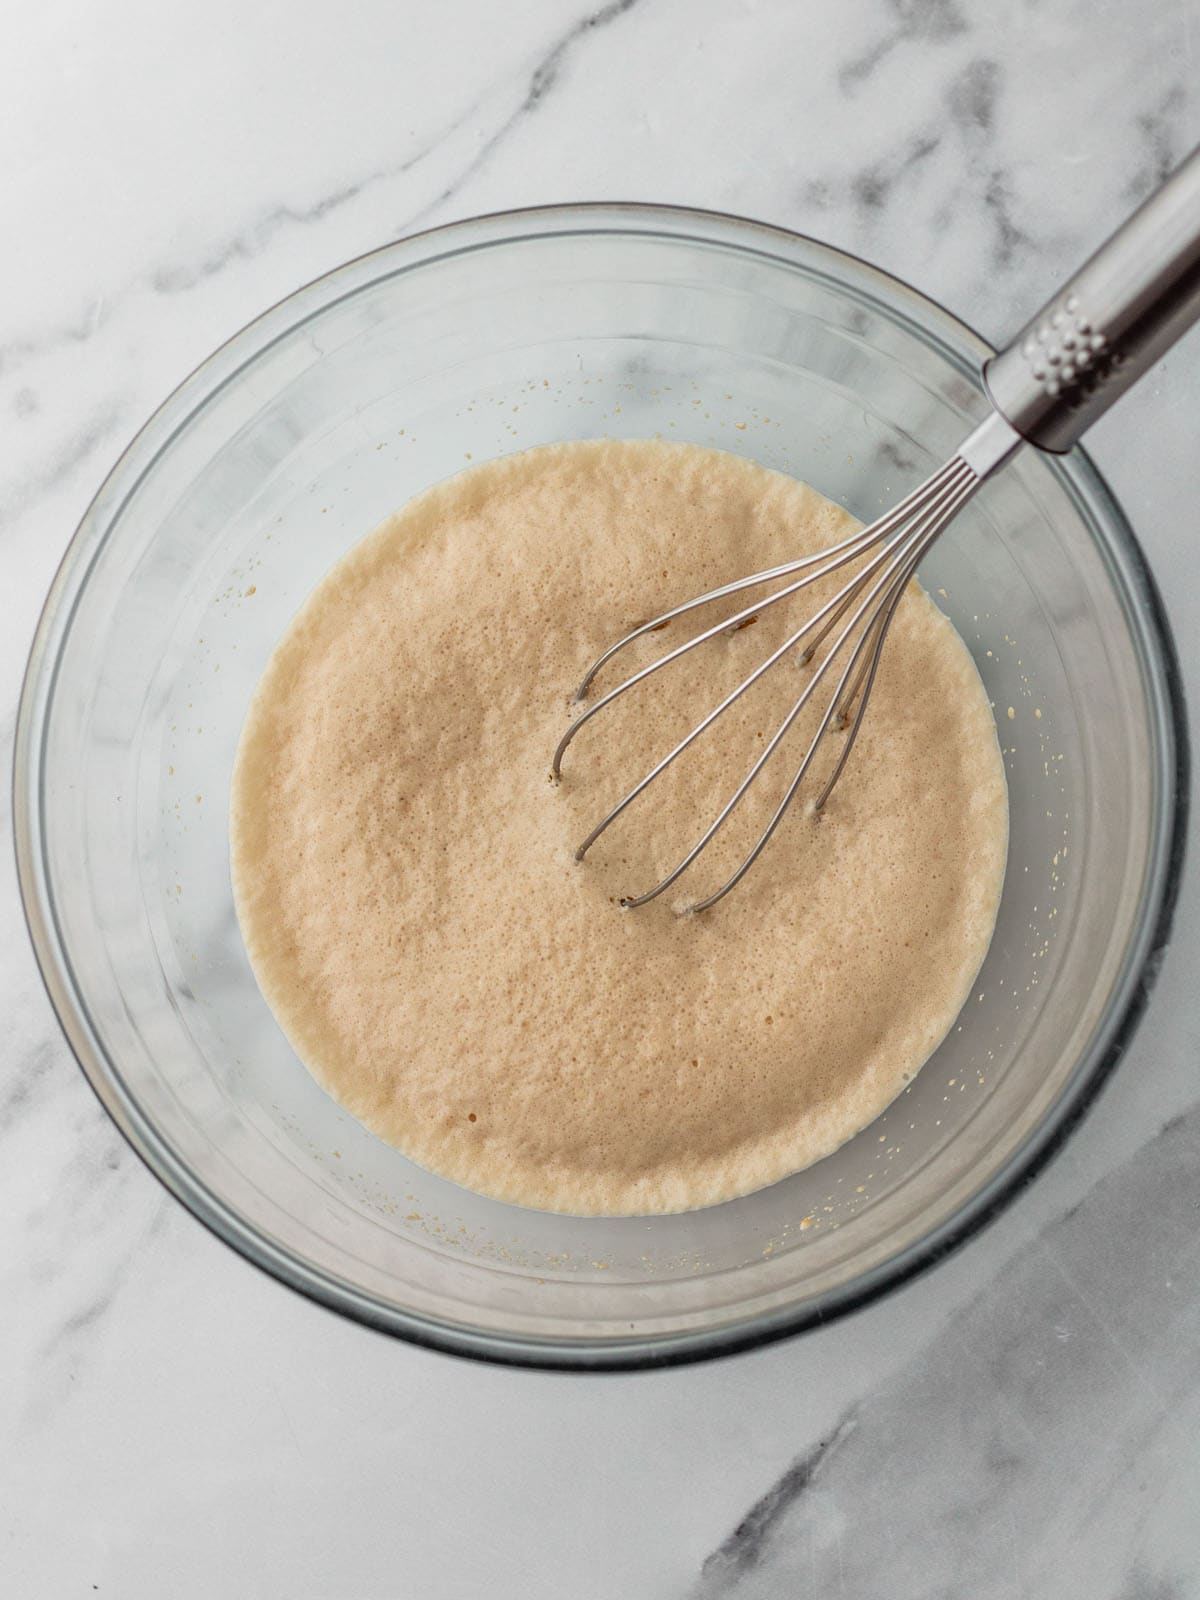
(1109, 323)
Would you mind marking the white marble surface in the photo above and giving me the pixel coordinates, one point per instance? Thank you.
(1022, 1422)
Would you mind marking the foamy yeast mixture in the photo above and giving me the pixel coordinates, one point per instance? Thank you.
(404, 868)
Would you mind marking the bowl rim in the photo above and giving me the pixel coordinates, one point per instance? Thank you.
(1093, 500)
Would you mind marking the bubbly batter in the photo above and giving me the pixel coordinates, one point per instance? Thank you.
(403, 865)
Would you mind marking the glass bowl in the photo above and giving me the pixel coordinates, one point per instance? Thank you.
(302, 433)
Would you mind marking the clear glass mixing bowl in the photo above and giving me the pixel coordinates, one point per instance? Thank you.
(296, 438)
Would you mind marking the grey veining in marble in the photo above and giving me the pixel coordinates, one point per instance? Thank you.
(1022, 1421)
(1043, 1425)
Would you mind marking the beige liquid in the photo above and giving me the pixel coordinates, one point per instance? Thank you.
(403, 865)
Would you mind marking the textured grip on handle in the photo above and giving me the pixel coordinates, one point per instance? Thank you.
(1109, 324)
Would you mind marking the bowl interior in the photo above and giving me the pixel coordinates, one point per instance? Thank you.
(298, 438)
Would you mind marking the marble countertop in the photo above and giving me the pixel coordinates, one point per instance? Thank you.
(1021, 1422)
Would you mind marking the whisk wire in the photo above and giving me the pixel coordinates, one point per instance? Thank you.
(727, 625)
(826, 562)
(872, 594)
(941, 490)
(900, 557)
(835, 556)
(837, 605)
(869, 666)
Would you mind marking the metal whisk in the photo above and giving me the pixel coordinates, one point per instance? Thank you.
(1124, 307)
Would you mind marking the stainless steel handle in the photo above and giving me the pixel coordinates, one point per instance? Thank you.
(1109, 323)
